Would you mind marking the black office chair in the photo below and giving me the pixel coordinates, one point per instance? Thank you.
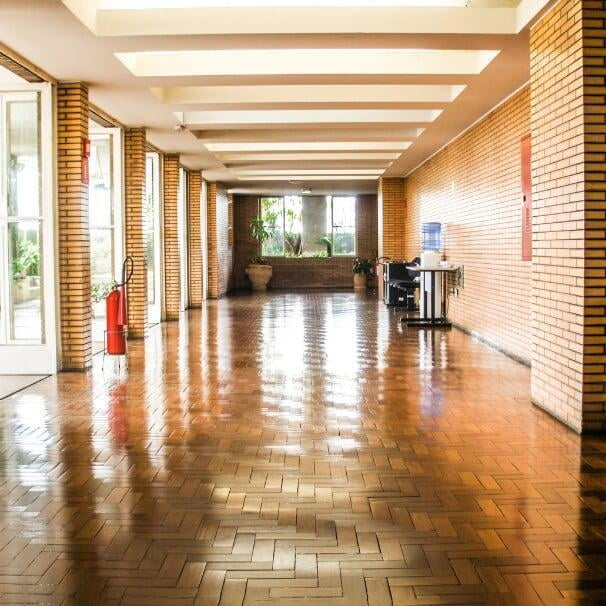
(408, 285)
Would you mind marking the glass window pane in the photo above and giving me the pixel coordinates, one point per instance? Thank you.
(102, 255)
(26, 281)
(100, 181)
(293, 226)
(23, 158)
(148, 223)
(272, 214)
(344, 225)
(316, 227)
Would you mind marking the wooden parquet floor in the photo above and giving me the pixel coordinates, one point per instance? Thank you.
(297, 449)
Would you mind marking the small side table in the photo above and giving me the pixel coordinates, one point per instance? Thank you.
(432, 321)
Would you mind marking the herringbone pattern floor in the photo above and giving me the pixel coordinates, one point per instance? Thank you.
(298, 449)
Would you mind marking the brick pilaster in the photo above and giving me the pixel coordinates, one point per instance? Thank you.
(134, 182)
(213, 262)
(219, 215)
(195, 242)
(569, 215)
(172, 266)
(391, 218)
(73, 227)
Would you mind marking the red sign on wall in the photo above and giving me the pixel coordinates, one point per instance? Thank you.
(526, 199)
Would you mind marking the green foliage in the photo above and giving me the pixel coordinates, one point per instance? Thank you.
(26, 261)
(361, 266)
(326, 239)
(100, 290)
(259, 261)
(260, 230)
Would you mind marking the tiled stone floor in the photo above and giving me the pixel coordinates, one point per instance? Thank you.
(297, 449)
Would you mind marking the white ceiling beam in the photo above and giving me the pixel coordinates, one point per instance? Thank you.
(309, 116)
(317, 135)
(257, 149)
(319, 156)
(310, 171)
(323, 93)
(297, 177)
(306, 61)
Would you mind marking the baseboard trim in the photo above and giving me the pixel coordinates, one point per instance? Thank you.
(492, 345)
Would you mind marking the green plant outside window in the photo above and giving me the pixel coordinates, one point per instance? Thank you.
(308, 226)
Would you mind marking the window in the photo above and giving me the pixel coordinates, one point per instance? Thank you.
(20, 240)
(105, 203)
(27, 239)
(309, 226)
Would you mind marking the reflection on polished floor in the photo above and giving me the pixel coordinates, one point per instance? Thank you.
(298, 449)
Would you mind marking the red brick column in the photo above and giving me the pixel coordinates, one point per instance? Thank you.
(73, 227)
(195, 240)
(391, 218)
(172, 266)
(134, 181)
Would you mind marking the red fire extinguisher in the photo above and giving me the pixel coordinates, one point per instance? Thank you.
(115, 306)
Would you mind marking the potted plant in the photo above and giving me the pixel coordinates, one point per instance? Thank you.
(361, 268)
(259, 271)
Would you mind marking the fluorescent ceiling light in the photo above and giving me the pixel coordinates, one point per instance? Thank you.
(309, 93)
(297, 177)
(277, 157)
(311, 171)
(307, 116)
(263, 146)
(305, 61)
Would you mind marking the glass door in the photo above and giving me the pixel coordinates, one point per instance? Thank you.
(27, 316)
(151, 220)
(106, 233)
(182, 217)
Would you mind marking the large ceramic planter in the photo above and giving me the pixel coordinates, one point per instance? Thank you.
(359, 281)
(259, 276)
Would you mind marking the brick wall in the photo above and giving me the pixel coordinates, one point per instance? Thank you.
(569, 188)
(134, 187)
(172, 264)
(473, 187)
(594, 351)
(195, 241)
(73, 228)
(391, 218)
(306, 272)
(220, 253)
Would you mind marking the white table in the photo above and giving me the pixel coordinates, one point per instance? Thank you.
(432, 320)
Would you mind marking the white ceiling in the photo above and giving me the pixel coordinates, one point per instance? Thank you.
(326, 93)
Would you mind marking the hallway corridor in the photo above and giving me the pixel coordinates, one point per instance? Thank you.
(297, 449)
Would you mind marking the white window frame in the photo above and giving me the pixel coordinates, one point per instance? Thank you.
(154, 310)
(182, 218)
(118, 232)
(21, 357)
(204, 237)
